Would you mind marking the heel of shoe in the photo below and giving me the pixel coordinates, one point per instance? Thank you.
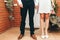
(42, 36)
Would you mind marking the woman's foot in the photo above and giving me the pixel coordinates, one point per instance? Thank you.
(46, 33)
(43, 36)
(46, 36)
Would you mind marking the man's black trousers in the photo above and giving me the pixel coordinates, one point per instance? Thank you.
(27, 5)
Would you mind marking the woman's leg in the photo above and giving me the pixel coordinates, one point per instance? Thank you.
(46, 23)
(42, 23)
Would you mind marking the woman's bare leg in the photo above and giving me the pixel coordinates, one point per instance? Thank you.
(46, 23)
(42, 23)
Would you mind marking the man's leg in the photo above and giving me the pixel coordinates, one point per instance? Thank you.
(23, 15)
(23, 18)
(31, 15)
(31, 22)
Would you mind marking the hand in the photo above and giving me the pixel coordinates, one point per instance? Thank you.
(52, 12)
(36, 7)
(53, 5)
(21, 5)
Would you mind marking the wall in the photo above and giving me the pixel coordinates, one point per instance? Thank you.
(17, 17)
(58, 11)
(4, 21)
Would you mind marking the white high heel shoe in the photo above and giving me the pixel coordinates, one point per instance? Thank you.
(46, 36)
(42, 36)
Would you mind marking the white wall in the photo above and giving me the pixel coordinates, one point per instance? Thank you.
(36, 20)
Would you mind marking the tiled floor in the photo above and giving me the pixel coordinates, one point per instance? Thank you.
(13, 33)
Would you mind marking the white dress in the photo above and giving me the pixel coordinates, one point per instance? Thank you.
(44, 6)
